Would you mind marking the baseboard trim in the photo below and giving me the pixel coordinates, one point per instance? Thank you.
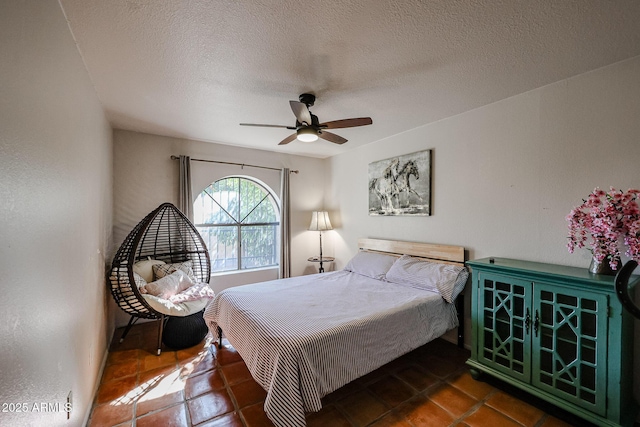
(94, 395)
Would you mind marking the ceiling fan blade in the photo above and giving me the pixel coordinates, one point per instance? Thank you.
(288, 139)
(301, 112)
(347, 123)
(267, 126)
(332, 137)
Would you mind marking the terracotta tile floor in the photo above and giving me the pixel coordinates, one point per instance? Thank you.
(207, 387)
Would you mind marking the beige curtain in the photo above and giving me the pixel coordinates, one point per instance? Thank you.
(285, 225)
(185, 200)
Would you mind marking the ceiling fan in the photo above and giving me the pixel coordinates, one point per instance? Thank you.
(308, 128)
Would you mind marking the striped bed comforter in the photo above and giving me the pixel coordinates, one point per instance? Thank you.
(304, 337)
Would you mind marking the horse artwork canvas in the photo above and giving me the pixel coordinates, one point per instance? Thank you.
(401, 185)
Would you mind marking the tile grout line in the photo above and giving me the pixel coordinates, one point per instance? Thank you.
(440, 381)
(475, 407)
(236, 405)
(393, 373)
(154, 411)
(227, 387)
(134, 414)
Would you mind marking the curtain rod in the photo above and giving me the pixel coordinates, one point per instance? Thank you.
(235, 164)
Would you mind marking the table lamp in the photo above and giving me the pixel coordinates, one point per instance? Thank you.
(320, 222)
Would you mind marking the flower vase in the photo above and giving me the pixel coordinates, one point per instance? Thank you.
(604, 267)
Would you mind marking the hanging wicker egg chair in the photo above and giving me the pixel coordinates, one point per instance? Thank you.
(163, 235)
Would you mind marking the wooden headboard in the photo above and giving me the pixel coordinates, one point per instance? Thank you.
(441, 253)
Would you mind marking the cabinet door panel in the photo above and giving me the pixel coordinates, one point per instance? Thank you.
(570, 345)
(503, 337)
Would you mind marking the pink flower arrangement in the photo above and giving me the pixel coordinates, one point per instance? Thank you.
(607, 217)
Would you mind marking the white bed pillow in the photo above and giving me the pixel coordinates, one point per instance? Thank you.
(145, 268)
(162, 270)
(370, 264)
(447, 279)
(168, 286)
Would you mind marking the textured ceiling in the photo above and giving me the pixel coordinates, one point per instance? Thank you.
(198, 68)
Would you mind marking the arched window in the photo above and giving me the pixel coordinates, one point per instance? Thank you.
(239, 220)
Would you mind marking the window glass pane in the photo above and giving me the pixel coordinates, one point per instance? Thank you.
(226, 194)
(265, 212)
(208, 211)
(222, 242)
(251, 195)
(201, 208)
(216, 205)
(259, 246)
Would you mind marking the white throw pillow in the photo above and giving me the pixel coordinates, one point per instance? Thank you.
(139, 280)
(121, 276)
(370, 264)
(168, 286)
(145, 268)
(447, 279)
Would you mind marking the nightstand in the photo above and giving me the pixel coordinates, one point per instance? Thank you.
(321, 260)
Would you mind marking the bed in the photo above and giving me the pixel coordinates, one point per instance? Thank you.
(304, 337)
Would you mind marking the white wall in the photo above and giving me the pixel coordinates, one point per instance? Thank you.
(55, 218)
(506, 175)
(145, 176)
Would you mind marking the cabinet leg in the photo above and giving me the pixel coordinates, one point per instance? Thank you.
(475, 374)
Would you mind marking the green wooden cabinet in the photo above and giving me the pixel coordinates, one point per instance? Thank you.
(557, 332)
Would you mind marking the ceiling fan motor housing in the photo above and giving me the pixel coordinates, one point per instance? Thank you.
(307, 99)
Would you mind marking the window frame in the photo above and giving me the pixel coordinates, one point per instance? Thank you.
(239, 225)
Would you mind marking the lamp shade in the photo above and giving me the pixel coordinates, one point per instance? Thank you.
(320, 221)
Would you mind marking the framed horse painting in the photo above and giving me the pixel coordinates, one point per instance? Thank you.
(401, 185)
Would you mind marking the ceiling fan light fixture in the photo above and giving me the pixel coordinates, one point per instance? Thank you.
(307, 134)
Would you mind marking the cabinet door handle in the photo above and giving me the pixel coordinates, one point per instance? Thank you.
(536, 323)
(527, 322)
